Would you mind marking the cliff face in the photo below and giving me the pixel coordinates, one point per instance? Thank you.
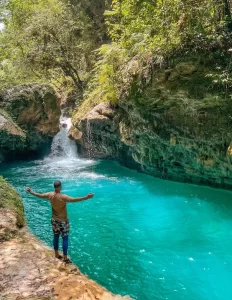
(178, 127)
(12, 137)
(28, 268)
(29, 118)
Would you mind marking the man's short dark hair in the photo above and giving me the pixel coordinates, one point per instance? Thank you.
(57, 184)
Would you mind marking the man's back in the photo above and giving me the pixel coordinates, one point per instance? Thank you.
(58, 202)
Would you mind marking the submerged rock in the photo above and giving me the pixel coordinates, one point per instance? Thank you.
(32, 119)
(28, 268)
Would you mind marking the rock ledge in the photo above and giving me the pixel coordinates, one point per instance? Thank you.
(28, 269)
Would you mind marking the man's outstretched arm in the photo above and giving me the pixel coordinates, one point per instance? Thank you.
(44, 196)
(71, 199)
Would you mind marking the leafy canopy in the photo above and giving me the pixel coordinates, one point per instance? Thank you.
(53, 40)
(147, 33)
(45, 39)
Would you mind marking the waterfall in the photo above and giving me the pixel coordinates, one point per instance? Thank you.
(89, 138)
(62, 146)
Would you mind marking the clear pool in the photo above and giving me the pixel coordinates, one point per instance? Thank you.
(141, 236)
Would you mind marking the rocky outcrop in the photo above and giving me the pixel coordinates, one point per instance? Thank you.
(11, 211)
(98, 134)
(178, 128)
(30, 117)
(28, 268)
(12, 137)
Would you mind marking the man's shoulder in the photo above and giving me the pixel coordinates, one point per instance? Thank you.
(65, 197)
(49, 194)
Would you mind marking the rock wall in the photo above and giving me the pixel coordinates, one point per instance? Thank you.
(28, 268)
(178, 128)
(29, 118)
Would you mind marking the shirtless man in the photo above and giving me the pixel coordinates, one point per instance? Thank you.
(59, 220)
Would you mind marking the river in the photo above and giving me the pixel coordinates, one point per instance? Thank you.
(141, 236)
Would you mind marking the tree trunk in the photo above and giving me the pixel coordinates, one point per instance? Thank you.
(70, 71)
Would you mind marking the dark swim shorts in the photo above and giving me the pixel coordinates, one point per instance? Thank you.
(60, 227)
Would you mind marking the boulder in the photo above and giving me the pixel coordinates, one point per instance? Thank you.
(12, 137)
(32, 118)
(100, 125)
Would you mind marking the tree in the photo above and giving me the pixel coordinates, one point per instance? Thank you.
(167, 24)
(46, 37)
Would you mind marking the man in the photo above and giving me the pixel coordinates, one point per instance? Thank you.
(60, 223)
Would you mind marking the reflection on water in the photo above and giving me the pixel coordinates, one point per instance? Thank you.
(141, 236)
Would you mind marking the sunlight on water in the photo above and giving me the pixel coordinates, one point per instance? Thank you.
(141, 236)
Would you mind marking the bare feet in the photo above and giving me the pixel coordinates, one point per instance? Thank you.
(57, 255)
(67, 261)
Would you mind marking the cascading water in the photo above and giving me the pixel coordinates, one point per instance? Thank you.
(62, 146)
(89, 138)
(64, 154)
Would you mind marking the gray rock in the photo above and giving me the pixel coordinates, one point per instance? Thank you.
(29, 119)
(173, 144)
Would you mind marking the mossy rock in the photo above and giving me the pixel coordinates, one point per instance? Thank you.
(29, 119)
(12, 137)
(10, 199)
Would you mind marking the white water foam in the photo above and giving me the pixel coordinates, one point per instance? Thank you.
(64, 154)
(62, 145)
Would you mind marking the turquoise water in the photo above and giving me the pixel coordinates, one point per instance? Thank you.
(141, 236)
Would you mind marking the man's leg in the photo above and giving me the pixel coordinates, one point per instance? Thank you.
(65, 246)
(56, 244)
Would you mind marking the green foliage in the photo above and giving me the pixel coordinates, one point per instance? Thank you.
(161, 26)
(147, 34)
(106, 82)
(44, 38)
(53, 41)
